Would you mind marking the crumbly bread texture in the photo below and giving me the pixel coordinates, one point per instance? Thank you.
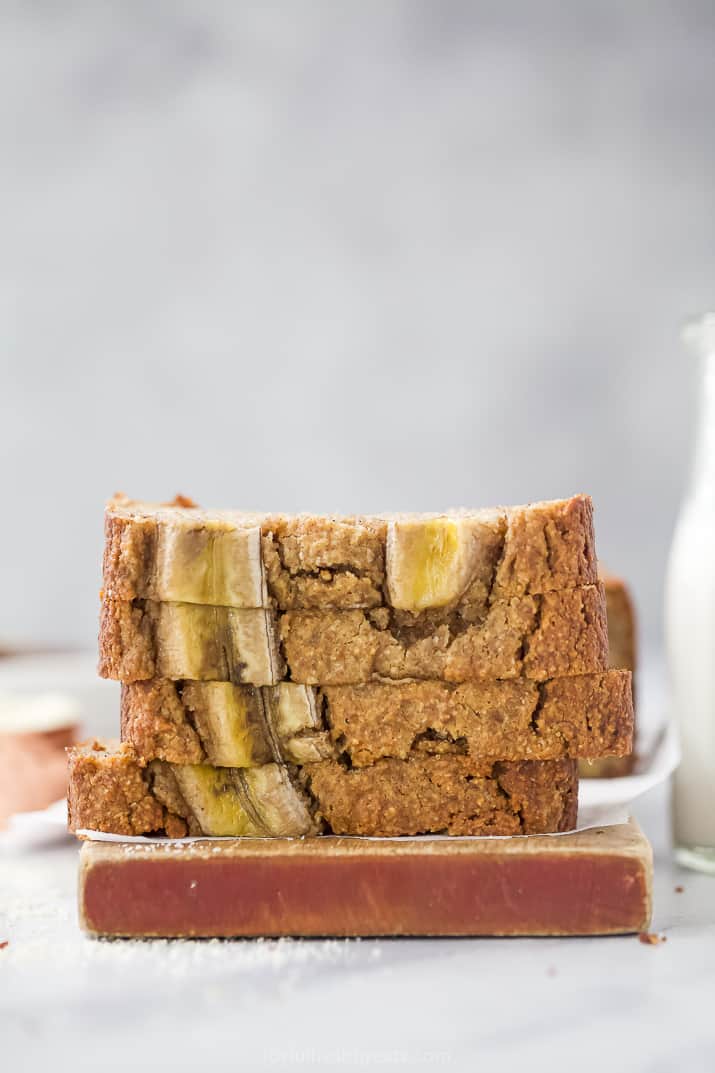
(621, 623)
(517, 719)
(111, 790)
(539, 637)
(622, 653)
(244, 726)
(222, 724)
(410, 562)
(453, 795)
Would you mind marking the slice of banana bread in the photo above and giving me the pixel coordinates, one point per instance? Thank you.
(245, 726)
(411, 562)
(113, 790)
(557, 633)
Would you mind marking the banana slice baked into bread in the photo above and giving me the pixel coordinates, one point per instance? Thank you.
(113, 790)
(245, 726)
(539, 637)
(411, 562)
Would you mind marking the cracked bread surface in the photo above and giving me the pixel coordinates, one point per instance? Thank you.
(515, 719)
(452, 795)
(113, 791)
(321, 562)
(539, 637)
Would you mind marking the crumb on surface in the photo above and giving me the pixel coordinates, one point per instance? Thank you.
(650, 938)
(679, 889)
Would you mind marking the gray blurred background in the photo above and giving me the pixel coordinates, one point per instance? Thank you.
(346, 256)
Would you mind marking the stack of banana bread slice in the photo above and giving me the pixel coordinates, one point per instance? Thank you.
(381, 676)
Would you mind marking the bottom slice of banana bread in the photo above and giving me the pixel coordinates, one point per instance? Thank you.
(111, 789)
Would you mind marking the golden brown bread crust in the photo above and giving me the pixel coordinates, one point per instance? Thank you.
(323, 562)
(621, 623)
(451, 795)
(112, 791)
(547, 547)
(129, 554)
(108, 790)
(127, 648)
(539, 637)
(622, 653)
(157, 724)
(515, 719)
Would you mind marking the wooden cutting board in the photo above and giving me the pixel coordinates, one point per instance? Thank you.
(595, 882)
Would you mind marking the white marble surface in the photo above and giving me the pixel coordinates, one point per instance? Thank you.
(70, 1002)
(74, 1003)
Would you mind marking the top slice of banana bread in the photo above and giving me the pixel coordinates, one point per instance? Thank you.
(409, 562)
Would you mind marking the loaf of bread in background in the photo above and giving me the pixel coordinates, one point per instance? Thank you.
(622, 654)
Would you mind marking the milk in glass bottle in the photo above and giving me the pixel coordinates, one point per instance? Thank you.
(690, 628)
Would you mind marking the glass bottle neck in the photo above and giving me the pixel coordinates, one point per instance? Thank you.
(702, 486)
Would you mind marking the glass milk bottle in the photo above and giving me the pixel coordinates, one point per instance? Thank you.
(690, 629)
